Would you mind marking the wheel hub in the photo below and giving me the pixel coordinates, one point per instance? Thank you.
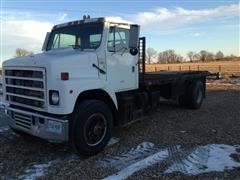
(95, 129)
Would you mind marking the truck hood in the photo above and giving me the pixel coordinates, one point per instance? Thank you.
(78, 63)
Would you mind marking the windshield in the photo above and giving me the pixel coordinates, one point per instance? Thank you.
(83, 36)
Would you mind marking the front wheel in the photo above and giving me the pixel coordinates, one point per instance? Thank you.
(91, 127)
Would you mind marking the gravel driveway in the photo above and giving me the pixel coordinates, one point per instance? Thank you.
(170, 136)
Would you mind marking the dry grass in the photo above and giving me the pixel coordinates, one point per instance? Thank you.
(228, 68)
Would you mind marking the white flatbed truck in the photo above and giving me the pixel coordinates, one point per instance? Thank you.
(90, 77)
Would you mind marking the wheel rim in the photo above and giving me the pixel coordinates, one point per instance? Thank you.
(199, 96)
(95, 129)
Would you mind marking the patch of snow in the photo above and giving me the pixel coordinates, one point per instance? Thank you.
(235, 80)
(1, 101)
(4, 129)
(212, 157)
(112, 141)
(143, 146)
(38, 170)
(125, 159)
(214, 130)
(201, 159)
(227, 81)
(142, 164)
(183, 131)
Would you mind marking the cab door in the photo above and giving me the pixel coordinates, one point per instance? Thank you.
(122, 69)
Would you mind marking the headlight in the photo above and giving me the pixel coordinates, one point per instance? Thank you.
(54, 97)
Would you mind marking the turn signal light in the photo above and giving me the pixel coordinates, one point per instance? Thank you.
(64, 76)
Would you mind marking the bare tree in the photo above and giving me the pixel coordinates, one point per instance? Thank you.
(190, 55)
(151, 53)
(210, 56)
(179, 58)
(161, 58)
(203, 55)
(169, 56)
(219, 55)
(165, 56)
(233, 56)
(197, 57)
(22, 52)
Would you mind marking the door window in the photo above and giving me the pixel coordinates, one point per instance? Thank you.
(118, 39)
(95, 40)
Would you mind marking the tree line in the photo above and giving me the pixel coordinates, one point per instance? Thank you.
(164, 57)
(170, 56)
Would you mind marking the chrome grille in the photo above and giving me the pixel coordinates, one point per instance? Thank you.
(22, 120)
(25, 87)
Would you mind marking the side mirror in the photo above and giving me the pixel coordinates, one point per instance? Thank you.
(44, 47)
(133, 39)
(134, 51)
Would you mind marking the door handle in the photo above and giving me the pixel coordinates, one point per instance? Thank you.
(100, 70)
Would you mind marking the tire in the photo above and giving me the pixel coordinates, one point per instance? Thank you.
(193, 96)
(91, 127)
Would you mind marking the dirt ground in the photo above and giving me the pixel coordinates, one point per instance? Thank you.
(217, 122)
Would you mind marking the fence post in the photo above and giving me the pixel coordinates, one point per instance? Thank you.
(179, 68)
(168, 68)
(189, 68)
(198, 67)
(155, 69)
(219, 68)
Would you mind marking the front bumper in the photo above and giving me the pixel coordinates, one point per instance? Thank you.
(53, 129)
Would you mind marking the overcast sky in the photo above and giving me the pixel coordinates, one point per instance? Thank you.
(182, 25)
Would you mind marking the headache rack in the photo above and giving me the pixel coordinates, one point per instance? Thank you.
(25, 87)
(142, 58)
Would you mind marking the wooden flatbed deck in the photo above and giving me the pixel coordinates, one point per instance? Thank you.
(169, 77)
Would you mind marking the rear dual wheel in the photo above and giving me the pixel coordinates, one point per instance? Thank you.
(194, 95)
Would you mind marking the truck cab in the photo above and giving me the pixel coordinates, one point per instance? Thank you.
(86, 78)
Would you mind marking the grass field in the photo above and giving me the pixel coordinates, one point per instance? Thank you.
(227, 68)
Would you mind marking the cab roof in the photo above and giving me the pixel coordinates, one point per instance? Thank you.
(88, 20)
